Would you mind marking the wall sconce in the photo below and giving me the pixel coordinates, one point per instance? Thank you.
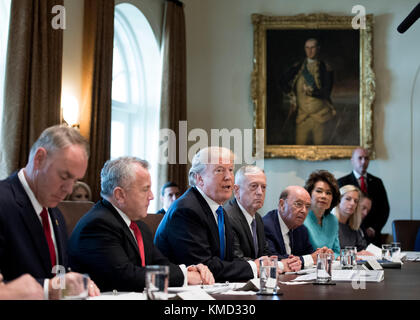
(70, 110)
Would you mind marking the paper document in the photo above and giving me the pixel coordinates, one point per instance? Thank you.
(348, 275)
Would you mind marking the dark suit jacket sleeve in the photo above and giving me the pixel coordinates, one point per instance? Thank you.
(190, 244)
(101, 249)
(382, 207)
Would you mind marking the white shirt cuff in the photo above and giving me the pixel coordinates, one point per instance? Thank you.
(46, 285)
(254, 268)
(308, 261)
(281, 265)
(183, 268)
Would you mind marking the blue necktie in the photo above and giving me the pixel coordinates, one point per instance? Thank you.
(254, 236)
(221, 224)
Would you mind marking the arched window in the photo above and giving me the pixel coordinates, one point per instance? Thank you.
(136, 90)
(4, 32)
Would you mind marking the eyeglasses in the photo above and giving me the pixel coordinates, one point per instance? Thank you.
(300, 205)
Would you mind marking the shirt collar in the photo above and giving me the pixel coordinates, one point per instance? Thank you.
(248, 217)
(283, 226)
(212, 204)
(37, 206)
(123, 215)
(357, 175)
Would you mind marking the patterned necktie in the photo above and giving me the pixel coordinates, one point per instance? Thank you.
(363, 186)
(47, 232)
(137, 233)
(221, 225)
(254, 236)
(290, 233)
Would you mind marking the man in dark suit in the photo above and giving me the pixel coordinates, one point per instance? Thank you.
(169, 193)
(284, 229)
(248, 227)
(196, 229)
(33, 236)
(374, 222)
(112, 245)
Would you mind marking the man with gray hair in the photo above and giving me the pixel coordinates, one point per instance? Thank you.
(33, 237)
(249, 241)
(112, 245)
(196, 229)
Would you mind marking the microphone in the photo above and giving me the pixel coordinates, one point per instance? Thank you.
(411, 18)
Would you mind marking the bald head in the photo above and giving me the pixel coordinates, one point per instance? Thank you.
(294, 205)
(360, 160)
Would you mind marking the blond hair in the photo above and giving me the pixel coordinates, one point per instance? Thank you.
(355, 220)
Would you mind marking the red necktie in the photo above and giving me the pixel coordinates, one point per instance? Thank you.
(137, 233)
(47, 231)
(363, 184)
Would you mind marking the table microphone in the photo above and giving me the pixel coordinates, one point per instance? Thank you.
(411, 18)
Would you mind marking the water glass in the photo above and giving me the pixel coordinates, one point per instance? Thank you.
(157, 279)
(324, 267)
(268, 275)
(386, 252)
(395, 250)
(346, 259)
(74, 286)
(353, 254)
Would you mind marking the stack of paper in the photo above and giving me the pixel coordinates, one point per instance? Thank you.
(348, 275)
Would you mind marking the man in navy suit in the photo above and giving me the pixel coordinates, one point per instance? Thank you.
(373, 186)
(286, 235)
(112, 245)
(196, 229)
(33, 236)
(248, 227)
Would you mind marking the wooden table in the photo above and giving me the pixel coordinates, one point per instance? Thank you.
(398, 284)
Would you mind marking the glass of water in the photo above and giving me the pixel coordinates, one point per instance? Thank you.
(157, 279)
(386, 252)
(324, 267)
(395, 250)
(268, 275)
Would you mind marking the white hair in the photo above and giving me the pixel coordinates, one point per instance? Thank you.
(243, 171)
(206, 156)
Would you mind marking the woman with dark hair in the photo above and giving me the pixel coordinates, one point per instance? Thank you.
(321, 224)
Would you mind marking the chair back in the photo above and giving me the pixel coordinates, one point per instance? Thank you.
(73, 211)
(405, 231)
(153, 220)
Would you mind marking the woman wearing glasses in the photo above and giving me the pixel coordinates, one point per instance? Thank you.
(322, 225)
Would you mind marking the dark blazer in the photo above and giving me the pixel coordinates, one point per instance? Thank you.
(188, 234)
(103, 246)
(300, 244)
(23, 246)
(243, 241)
(379, 213)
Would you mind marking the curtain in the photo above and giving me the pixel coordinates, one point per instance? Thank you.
(95, 123)
(33, 79)
(174, 88)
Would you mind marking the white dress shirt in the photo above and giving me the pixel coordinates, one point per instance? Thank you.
(213, 207)
(308, 261)
(128, 223)
(38, 209)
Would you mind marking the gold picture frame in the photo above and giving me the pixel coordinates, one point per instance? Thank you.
(280, 39)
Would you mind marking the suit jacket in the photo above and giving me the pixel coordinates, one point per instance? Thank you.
(103, 246)
(23, 246)
(188, 234)
(379, 213)
(300, 244)
(243, 241)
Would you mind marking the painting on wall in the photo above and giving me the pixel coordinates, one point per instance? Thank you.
(313, 85)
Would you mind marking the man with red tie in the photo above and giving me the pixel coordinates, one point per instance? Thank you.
(112, 245)
(374, 188)
(33, 237)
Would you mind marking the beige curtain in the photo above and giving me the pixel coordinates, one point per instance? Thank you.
(95, 123)
(33, 79)
(174, 87)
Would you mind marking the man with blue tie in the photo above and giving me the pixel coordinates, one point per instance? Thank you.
(286, 235)
(196, 229)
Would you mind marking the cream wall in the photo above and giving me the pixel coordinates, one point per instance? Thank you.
(219, 63)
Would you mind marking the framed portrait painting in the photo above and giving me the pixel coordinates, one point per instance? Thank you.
(313, 85)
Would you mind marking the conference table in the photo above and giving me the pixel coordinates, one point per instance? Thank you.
(398, 284)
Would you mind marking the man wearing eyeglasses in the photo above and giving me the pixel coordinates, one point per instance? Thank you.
(285, 233)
